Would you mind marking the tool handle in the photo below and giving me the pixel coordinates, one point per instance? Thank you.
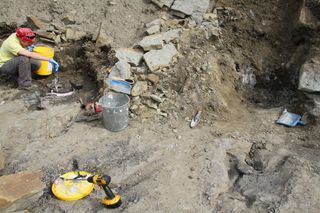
(108, 192)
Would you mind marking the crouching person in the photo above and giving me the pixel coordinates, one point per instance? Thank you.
(17, 58)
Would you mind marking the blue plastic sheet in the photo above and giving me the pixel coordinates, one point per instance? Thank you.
(290, 119)
(119, 85)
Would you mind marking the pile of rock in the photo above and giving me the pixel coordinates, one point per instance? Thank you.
(184, 8)
(145, 62)
(66, 31)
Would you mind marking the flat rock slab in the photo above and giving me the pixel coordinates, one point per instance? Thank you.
(151, 42)
(121, 69)
(171, 35)
(158, 21)
(157, 59)
(132, 56)
(20, 191)
(153, 29)
(194, 8)
(309, 80)
(162, 3)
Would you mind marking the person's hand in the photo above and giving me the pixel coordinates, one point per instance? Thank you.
(31, 47)
(55, 65)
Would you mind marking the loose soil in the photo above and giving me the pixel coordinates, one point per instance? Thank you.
(236, 160)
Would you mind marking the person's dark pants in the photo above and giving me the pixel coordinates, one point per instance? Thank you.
(21, 66)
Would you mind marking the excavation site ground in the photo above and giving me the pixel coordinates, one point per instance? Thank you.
(242, 63)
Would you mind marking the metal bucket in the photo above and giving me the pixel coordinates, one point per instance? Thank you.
(115, 111)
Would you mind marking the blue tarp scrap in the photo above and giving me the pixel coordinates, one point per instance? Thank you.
(290, 119)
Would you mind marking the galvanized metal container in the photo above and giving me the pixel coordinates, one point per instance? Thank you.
(115, 111)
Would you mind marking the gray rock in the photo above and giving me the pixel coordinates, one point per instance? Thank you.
(120, 70)
(313, 106)
(59, 26)
(306, 17)
(156, 98)
(74, 34)
(162, 3)
(157, 59)
(151, 42)
(193, 8)
(171, 35)
(132, 56)
(309, 80)
(138, 70)
(155, 22)
(139, 88)
(153, 29)
(248, 77)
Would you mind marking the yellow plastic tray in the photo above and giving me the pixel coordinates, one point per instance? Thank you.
(69, 190)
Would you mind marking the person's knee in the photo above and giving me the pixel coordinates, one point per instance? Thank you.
(35, 64)
(23, 59)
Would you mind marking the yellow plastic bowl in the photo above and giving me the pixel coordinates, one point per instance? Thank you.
(69, 190)
(46, 67)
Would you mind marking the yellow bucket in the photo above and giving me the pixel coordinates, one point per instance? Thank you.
(46, 67)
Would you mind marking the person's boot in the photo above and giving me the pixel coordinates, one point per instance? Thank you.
(32, 87)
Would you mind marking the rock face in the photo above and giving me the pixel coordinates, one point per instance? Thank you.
(157, 59)
(151, 42)
(132, 56)
(309, 80)
(20, 191)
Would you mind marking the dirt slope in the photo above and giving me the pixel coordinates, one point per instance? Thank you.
(236, 160)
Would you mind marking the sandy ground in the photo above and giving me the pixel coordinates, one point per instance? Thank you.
(155, 167)
(236, 160)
